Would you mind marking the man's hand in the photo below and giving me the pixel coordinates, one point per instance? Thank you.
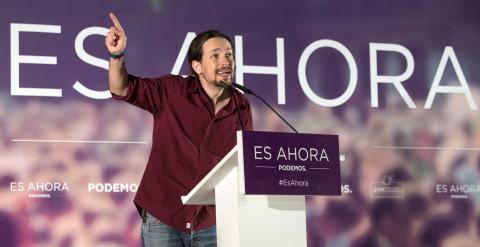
(116, 41)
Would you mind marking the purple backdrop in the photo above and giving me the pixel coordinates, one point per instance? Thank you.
(397, 81)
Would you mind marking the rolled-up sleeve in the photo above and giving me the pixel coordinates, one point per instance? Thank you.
(146, 93)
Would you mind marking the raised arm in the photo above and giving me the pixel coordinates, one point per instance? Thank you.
(116, 41)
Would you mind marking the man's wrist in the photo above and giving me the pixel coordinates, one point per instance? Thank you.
(117, 55)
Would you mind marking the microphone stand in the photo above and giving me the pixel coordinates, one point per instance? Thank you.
(248, 91)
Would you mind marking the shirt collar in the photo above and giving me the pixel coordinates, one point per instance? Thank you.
(194, 85)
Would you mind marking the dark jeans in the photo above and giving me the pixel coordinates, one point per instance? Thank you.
(157, 234)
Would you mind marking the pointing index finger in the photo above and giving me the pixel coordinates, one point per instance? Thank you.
(116, 22)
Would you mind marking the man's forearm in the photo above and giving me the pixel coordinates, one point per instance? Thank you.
(117, 76)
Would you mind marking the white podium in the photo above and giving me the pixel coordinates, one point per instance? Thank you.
(249, 220)
(259, 187)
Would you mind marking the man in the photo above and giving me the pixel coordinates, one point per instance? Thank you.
(195, 120)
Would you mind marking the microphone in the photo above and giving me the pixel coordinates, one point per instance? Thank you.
(224, 85)
(248, 91)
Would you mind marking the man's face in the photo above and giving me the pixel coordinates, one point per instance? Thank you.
(217, 62)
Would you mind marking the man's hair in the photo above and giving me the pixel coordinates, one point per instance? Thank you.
(195, 51)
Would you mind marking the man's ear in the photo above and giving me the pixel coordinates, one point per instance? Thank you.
(197, 67)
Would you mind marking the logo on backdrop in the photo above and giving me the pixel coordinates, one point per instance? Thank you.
(346, 189)
(112, 187)
(458, 191)
(389, 187)
(43, 190)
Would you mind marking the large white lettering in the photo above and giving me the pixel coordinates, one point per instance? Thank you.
(84, 56)
(448, 53)
(183, 53)
(278, 70)
(375, 78)
(302, 72)
(16, 59)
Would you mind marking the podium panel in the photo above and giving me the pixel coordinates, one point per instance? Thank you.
(273, 163)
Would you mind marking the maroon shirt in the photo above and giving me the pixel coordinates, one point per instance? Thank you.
(189, 139)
